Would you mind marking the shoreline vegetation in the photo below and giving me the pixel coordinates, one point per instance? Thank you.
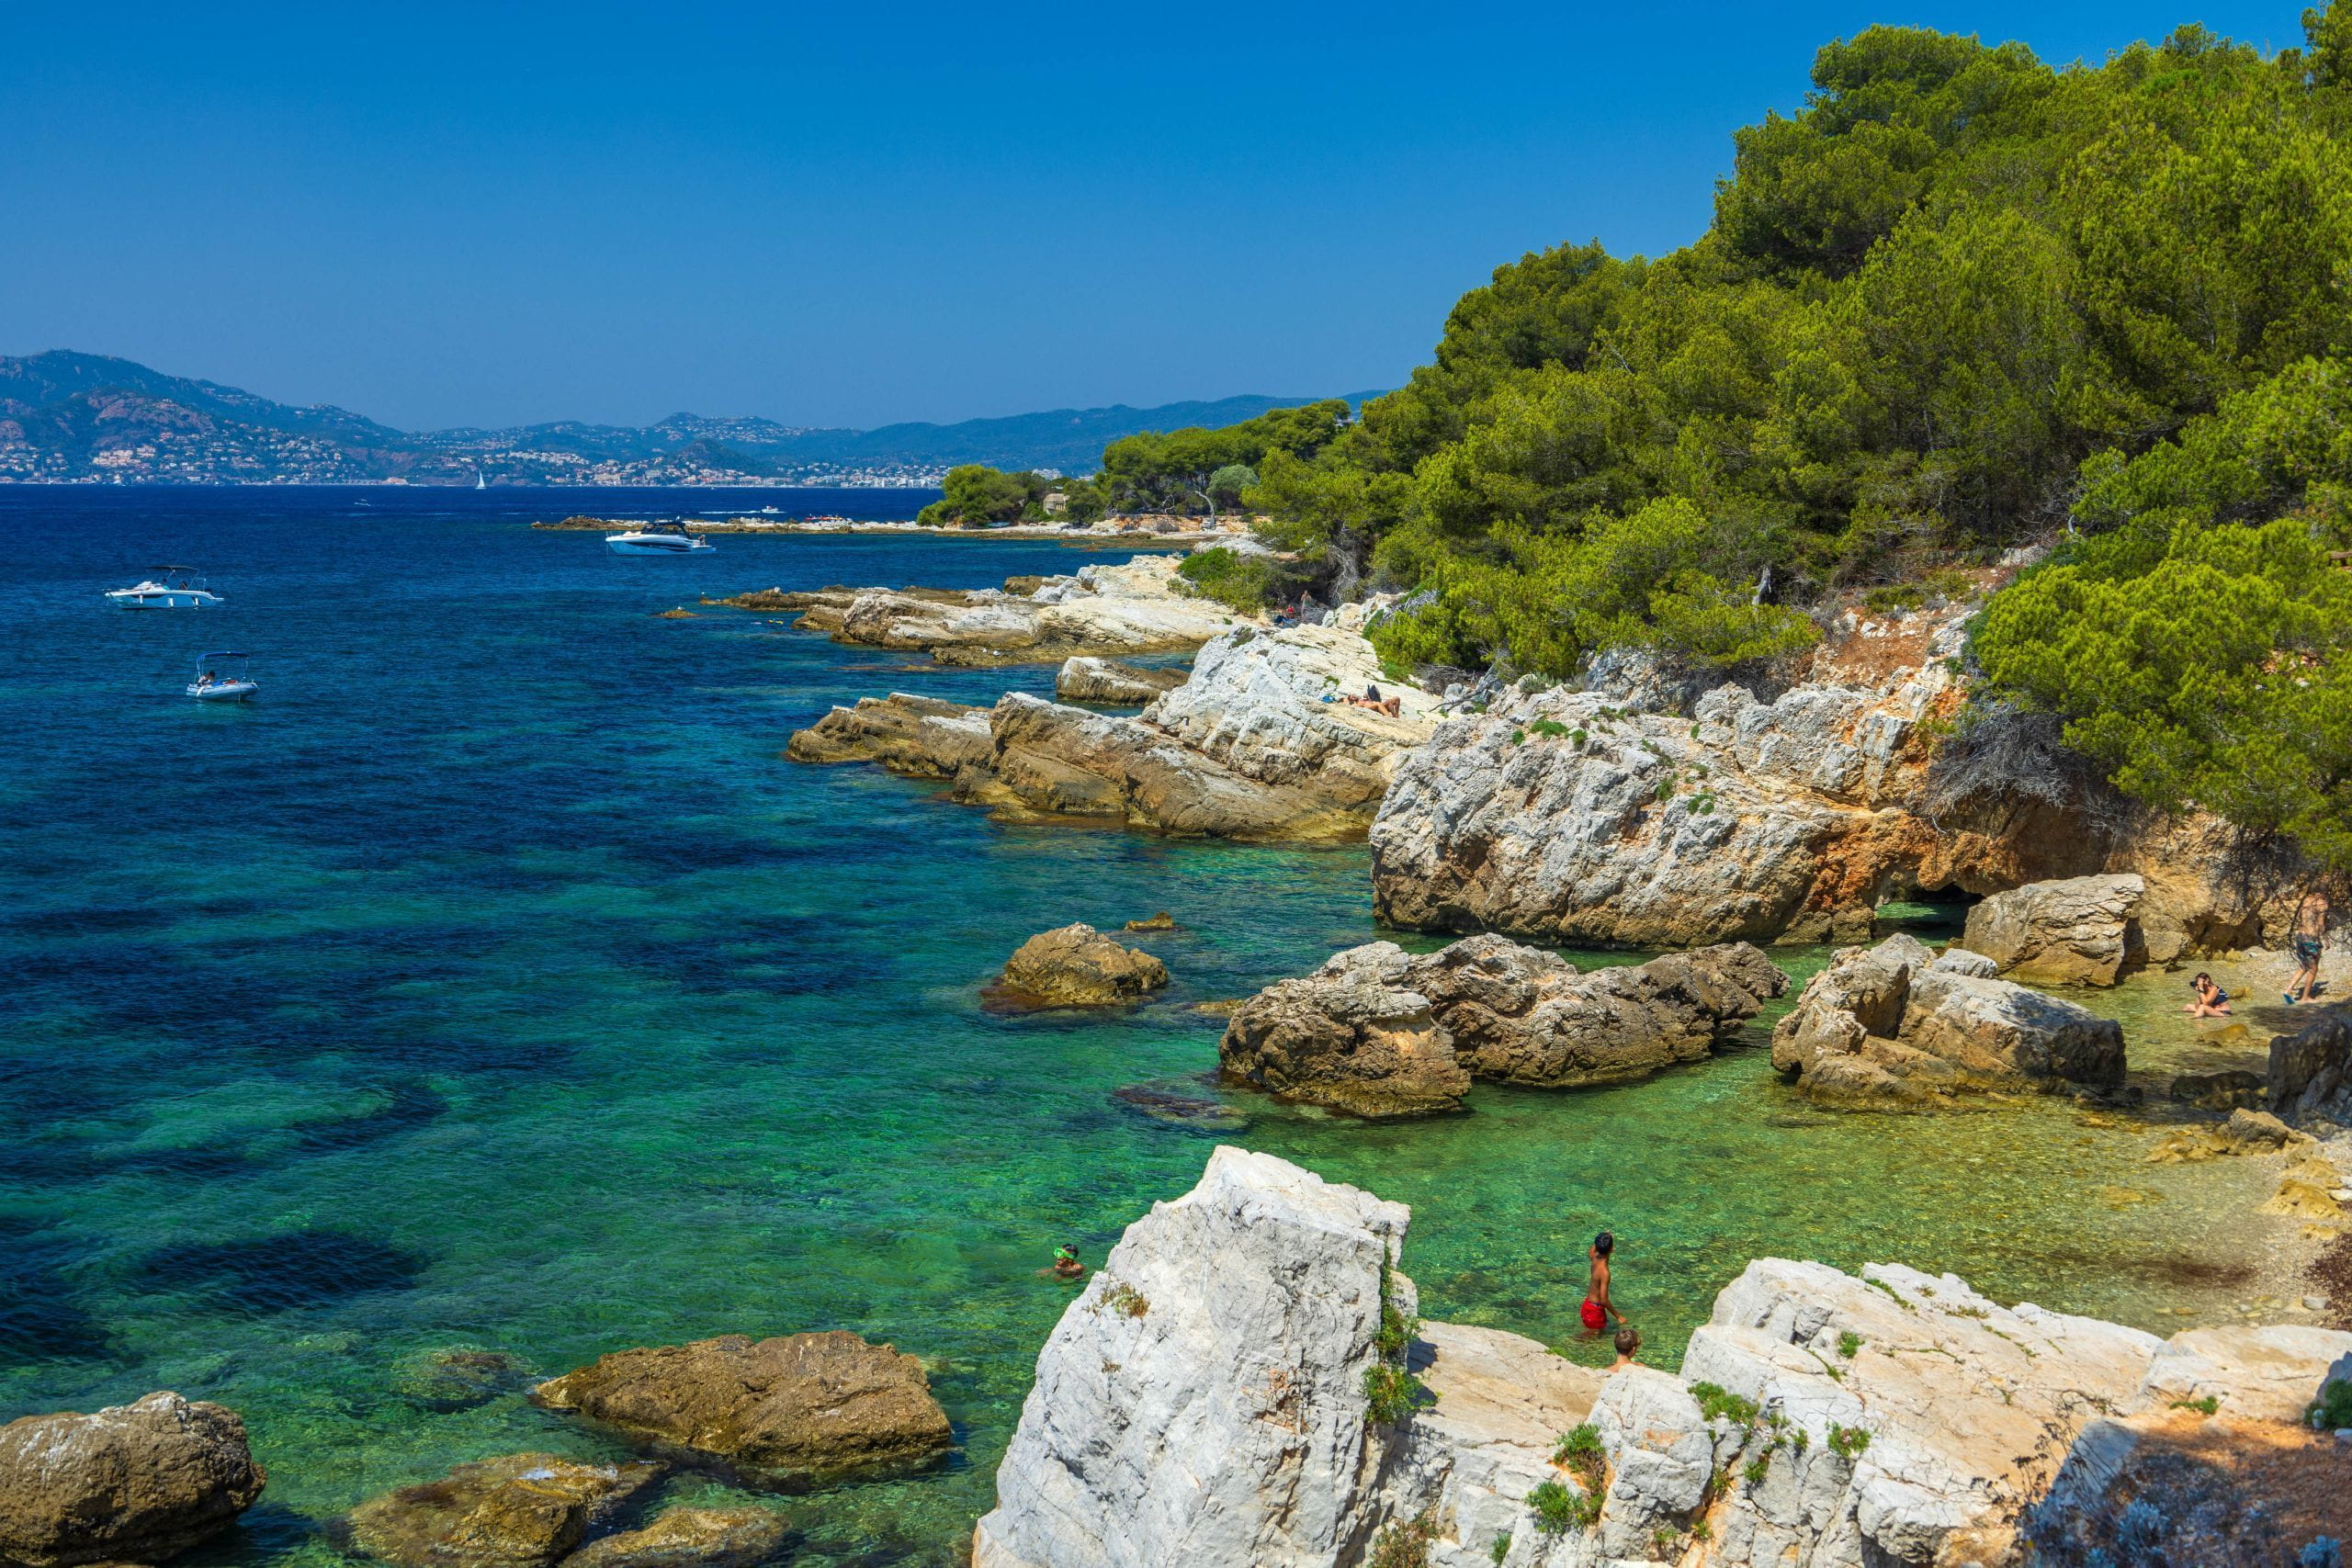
(1149, 530)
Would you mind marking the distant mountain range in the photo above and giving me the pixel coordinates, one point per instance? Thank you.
(85, 418)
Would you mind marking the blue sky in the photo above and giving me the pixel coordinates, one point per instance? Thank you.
(854, 214)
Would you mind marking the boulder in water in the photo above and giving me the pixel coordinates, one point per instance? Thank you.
(456, 1379)
(1353, 1036)
(2080, 930)
(1884, 1023)
(516, 1511)
(690, 1538)
(134, 1483)
(1077, 965)
(805, 1404)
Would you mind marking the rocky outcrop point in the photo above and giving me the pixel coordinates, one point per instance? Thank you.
(136, 1482)
(821, 1404)
(1247, 748)
(1076, 965)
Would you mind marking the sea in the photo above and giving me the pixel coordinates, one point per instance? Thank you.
(492, 984)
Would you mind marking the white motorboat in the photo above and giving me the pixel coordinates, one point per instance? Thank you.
(221, 678)
(172, 588)
(657, 539)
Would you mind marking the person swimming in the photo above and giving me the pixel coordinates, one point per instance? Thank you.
(1598, 1309)
(1066, 1264)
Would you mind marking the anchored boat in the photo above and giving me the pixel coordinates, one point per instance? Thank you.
(172, 588)
(657, 539)
(221, 678)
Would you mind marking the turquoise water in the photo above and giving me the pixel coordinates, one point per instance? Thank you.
(492, 982)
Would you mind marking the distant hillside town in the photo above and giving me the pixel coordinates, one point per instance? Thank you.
(68, 418)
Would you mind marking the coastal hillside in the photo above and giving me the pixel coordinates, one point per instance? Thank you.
(87, 418)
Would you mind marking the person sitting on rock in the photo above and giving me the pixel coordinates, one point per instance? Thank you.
(1372, 699)
(1629, 1345)
(2207, 999)
(1597, 1310)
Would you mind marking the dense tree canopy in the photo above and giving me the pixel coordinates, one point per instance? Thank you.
(1177, 470)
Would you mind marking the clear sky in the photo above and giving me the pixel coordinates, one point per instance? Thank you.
(851, 214)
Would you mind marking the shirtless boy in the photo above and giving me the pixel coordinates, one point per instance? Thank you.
(1598, 1309)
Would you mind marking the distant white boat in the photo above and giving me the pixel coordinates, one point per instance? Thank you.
(172, 588)
(657, 539)
(221, 678)
(479, 483)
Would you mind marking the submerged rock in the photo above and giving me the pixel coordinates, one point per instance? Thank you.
(134, 1483)
(2082, 930)
(1077, 965)
(1380, 1033)
(776, 1409)
(1884, 1023)
(1181, 1105)
(518, 1511)
(690, 1538)
(1112, 681)
(456, 1379)
(1162, 921)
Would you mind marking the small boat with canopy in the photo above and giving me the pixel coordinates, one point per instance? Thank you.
(657, 539)
(221, 678)
(172, 588)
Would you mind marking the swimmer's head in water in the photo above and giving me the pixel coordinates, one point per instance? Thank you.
(1066, 1255)
(1628, 1341)
(1604, 1244)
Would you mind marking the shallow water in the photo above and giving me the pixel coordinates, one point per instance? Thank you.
(492, 982)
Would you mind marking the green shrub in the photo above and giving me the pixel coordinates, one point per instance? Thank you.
(2205, 1406)
(1719, 1403)
(2332, 1408)
(1847, 1441)
(1396, 1330)
(1559, 1510)
(1551, 727)
(1247, 583)
(1499, 1548)
(1576, 739)
(1581, 1452)
(1518, 737)
(1849, 1343)
(1757, 1468)
(1127, 1299)
(1392, 1394)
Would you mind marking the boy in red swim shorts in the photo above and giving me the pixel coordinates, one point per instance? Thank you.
(1597, 1310)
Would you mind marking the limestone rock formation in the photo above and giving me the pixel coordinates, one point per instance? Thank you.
(1202, 1403)
(2081, 930)
(1617, 814)
(804, 1405)
(518, 1511)
(1350, 1035)
(1076, 965)
(1112, 680)
(1201, 1400)
(1127, 608)
(690, 1538)
(1245, 748)
(2310, 1072)
(1885, 1023)
(134, 1483)
(1381, 1032)
(1561, 817)
(1969, 1408)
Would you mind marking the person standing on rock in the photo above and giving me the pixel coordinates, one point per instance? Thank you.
(2311, 935)
(1598, 1309)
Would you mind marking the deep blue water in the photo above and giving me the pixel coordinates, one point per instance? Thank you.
(492, 982)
